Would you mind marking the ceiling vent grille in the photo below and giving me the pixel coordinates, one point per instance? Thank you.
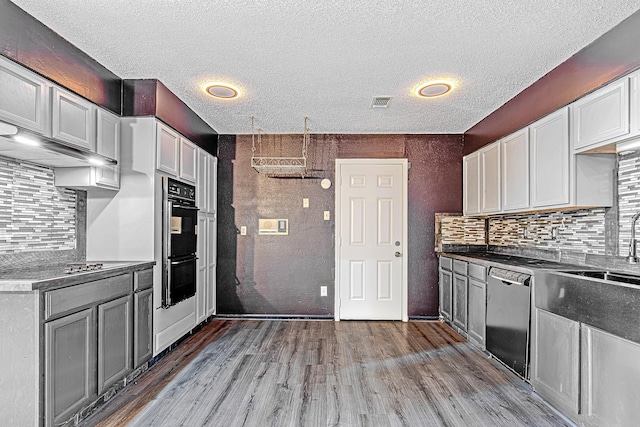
(380, 101)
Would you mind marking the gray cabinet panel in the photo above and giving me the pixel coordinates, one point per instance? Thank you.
(74, 297)
(142, 327)
(70, 351)
(476, 319)
(555, 360)
(460, 301)
(142, 279)
(610, 379)
(446, 283)
(114, 341)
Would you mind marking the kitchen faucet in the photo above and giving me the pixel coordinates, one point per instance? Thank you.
(632, 258)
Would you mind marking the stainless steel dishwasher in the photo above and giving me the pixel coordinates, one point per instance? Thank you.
(508, 318)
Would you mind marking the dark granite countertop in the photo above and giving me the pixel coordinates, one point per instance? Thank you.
(515, 263)
(47, 277)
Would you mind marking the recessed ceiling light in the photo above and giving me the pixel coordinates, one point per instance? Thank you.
(221, 90)
(434, 88)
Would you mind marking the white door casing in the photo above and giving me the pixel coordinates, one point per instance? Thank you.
(371, 239)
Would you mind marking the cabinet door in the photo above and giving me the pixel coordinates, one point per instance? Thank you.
(460, 301)
(490, 179)
(142, 326)
(108, 144)
(446, 283)
(515, 171)
(471, 184)
(25, 97)
(212, 261)
(610, 378)
(114, 341)
(555, 360)
(167, 145)
(550, 162)
(69, 371)
(477, 311)
(188, 160)
(212, 198)
(201, 279)
(72, 119)
(601, 116)
(203, 182)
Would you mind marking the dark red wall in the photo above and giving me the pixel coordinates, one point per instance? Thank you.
(609, 57)
(282, 275)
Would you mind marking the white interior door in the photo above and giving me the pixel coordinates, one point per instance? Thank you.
(371, 236)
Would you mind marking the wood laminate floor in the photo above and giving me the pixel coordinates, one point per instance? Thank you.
(325, 373)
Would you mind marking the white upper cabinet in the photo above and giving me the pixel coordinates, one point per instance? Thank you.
(212, 197)
(167, 147)
(188, 160)
(515, 171)
(601, 117)
(206, 184)
(108, 145)
(175, 154)
(550, 160)
(490, 185)
(72, 119)
(25, 97)
(202, 183)
(471, 184)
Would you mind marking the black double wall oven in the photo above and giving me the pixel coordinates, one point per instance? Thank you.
(179, 241)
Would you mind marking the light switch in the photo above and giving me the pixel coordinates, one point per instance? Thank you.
(243, 230)
(305, 202)
(327, 215)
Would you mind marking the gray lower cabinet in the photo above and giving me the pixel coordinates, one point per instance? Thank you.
(70, 354)
(477, 311)
(114, 341)
(555, 360)
(446, 283)
(143, 327)
(610, 379)
(460, 283)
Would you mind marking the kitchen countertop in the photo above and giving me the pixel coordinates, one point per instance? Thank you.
(515, 263)
(49, 277)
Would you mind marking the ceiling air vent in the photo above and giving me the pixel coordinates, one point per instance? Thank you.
(380, 101)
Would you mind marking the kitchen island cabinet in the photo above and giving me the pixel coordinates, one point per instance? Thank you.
(69, 343)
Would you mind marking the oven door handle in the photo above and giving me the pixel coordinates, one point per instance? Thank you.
(184, 261)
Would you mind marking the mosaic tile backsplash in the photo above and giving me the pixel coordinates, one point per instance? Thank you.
(34, 214)
(628, 198)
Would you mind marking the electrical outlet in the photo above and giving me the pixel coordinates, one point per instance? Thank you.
(327, 215)
(305, 202)
(323, 291)
(243, 230)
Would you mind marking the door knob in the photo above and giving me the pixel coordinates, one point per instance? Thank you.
(398, 254)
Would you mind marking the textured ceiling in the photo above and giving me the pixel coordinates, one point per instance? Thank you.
(328, 59)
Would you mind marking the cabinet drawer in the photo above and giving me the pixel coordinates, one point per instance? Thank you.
(478, 272)
(142, 279)
(75, 297)
(446, 263)
(460, 267)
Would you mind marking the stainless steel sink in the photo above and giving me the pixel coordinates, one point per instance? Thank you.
(606, 300)
(608, 276)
